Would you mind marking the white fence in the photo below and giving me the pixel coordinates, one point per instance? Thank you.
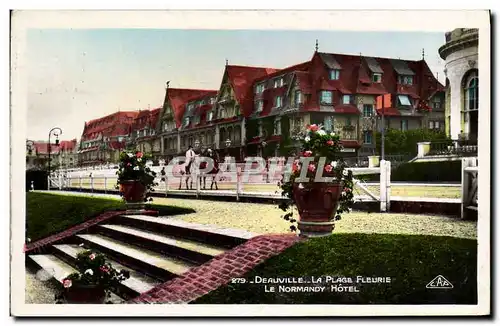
(231, 183)
(469, 185)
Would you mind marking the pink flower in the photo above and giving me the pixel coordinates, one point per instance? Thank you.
(92, 256)
(311, 167)
(308, 153)
(104, 269)
(328, 168)
(67, 283)
(313, 127)
(347, 189)
(295, 167)
(139, 154)
(129, 164)
(329, 143)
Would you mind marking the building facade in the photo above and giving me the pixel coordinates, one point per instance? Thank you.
(257, 110)
(460, 53)
(64, 155)
(103, 138)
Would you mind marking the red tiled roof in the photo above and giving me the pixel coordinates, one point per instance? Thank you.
(391, 111)
(97, 126)
(350, 143)
(242, 79)
(146, 118)
(346, 108)
(42, 148)
(304, 81)
(179, 97)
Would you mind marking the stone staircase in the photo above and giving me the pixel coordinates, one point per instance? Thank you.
(154, 250)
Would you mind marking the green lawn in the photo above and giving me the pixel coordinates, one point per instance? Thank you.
(47, 214)
(411, 261)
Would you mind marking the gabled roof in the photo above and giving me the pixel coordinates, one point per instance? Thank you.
(97, 126)
(42, 148)
(179, 97)
(146, 118)
(242, 79)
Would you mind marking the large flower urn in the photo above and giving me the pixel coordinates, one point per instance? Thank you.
(134, 194)
(317, 203)
(90, 294)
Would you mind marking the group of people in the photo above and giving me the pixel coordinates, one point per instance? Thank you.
(192, 161)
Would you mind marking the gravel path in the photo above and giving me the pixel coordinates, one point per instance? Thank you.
(265, 218)
(38, 291)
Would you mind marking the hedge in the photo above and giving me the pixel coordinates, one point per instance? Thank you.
(443, 171)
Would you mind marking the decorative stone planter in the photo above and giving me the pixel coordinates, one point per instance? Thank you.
(91, 294)
(134, 194)
(317, 204)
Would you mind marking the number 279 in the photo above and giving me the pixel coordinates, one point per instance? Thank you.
(238, 280)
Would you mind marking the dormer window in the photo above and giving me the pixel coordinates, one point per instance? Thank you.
(259, 88)
(376, 78)
(197, 119)
(326, 97)
(405, 80)
(259, 106)
(346, 99)
(278, 82)
(404, 100)
(186, 122)
(334, 74)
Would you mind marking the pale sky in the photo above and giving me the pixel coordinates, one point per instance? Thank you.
(79, 75)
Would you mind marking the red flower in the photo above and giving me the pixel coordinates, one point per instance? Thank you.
(129, 164)
(139, 154)
(329, 143)
(104, 269)
(313, 127)
(328, 168)
(308, 153)
(67, 283)
(295, 167)
(92, 256)
(311, 167)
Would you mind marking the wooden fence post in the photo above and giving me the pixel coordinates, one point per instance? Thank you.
(105, 184)
(388, 185)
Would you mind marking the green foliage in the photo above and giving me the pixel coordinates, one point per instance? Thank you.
(405, 142)
(411, 262)
(47, 214)
(446, 171)
(132, 166)
(318, 146)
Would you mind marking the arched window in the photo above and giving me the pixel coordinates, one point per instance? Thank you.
(471, 92)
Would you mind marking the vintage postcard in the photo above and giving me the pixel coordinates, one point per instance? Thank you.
(336, 163)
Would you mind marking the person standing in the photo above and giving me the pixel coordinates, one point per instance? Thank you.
(190, 156)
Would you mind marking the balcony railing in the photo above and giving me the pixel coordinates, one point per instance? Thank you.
(454, 147)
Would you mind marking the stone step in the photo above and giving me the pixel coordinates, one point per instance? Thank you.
(149, 262)
(59, 270)
(137, 283)
(192, 251)
(209, 234)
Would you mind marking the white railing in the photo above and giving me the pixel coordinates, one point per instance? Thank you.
(231, 183)
(469, 185)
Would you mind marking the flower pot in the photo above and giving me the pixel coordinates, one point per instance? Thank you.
(317, 203)
(134, 194)
(91, 294)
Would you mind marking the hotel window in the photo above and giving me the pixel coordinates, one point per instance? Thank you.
(436, 103)
(431, 124)
(259, 88)
(328, 124)
(326, 97)
(367, 110)
(212, 100)
(404, 100)
(346, 99)
(471, 93)
(367, 137)
(259, 105)
(186, 122)
(210, 115)
(334, 74)
(404, 125)
(277, 102)
(348, 121)
(436, 124)
(278, 82)
(405, 80)
(298, 97)
(277, 127)
(377, 78)
(222, 113)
